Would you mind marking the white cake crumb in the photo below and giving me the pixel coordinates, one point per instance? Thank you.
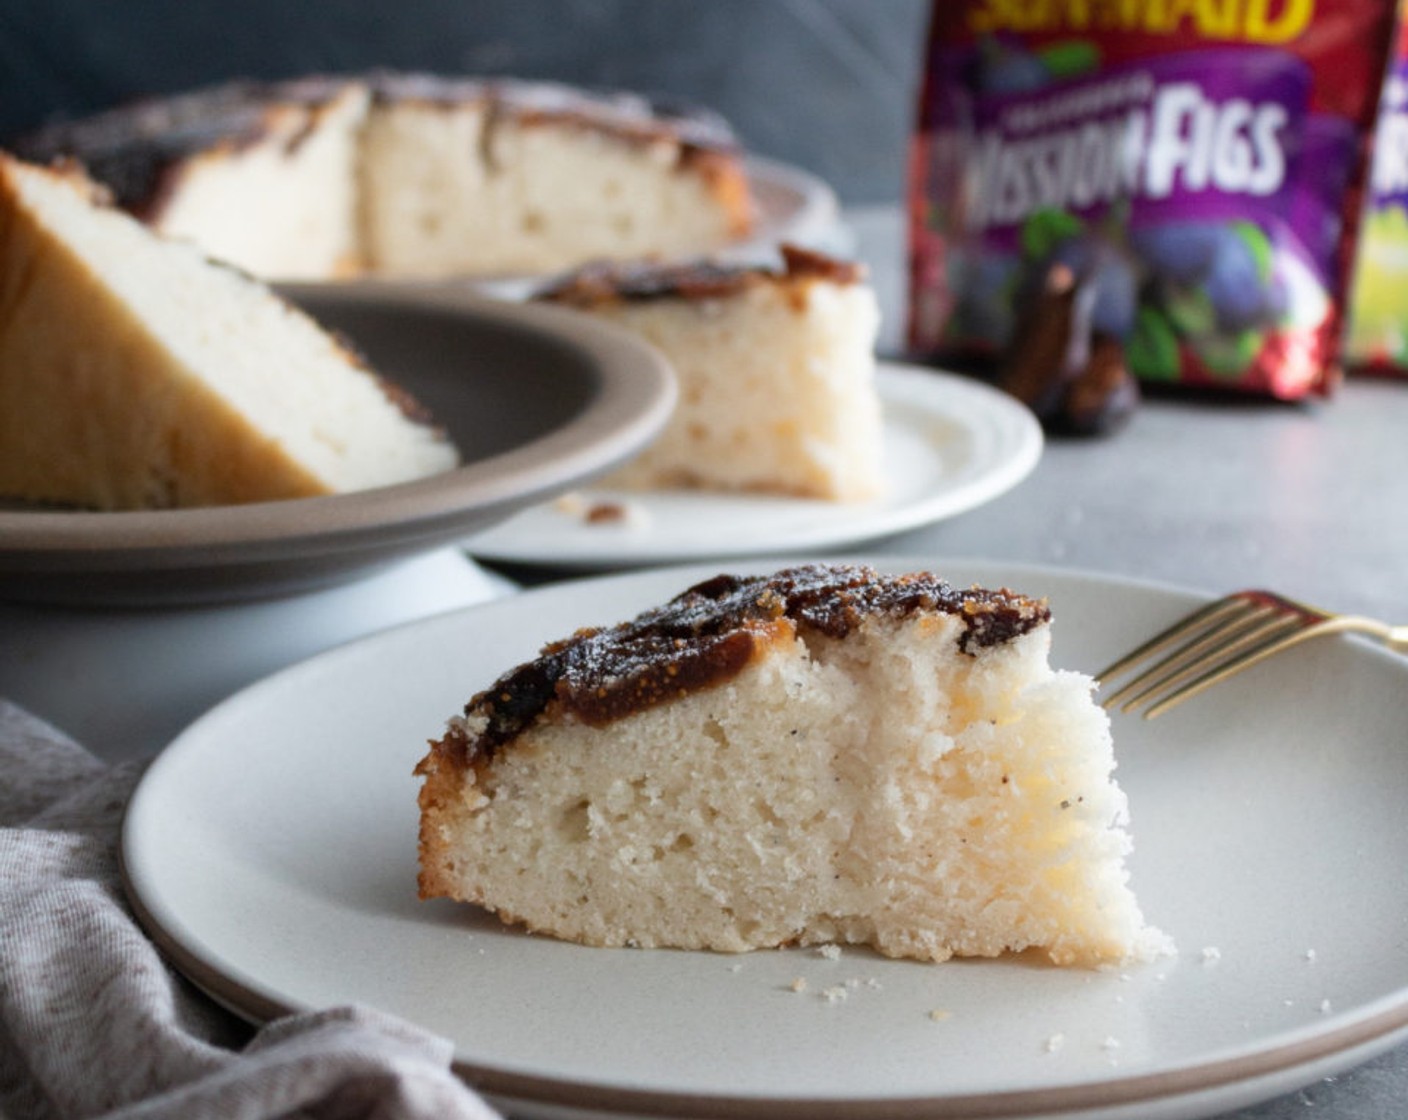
(735, 968)
(830, 952)
(873, 984)
(572, 503)
(1211, 955)
(1055, 1042)
(834, 994)
(1110, 1044)
(939, 1014)
(799, 984)
(853, 983)
(1324, 1007)
(1310, 956)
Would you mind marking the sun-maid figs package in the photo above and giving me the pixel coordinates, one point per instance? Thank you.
(1195, 164)
(1377, 338)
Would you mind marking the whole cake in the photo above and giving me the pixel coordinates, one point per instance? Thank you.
(776, 370)
(415, 175)
(825, 755)
(136, 373)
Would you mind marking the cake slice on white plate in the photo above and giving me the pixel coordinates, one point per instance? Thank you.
(136, 373)
(824, 755)
(776, 367)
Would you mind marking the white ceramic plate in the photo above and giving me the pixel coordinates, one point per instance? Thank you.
(537, 398)
(794, 205)
(951, 444)
(271, 851)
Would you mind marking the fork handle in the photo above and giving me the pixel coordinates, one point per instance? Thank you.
(1395, 637)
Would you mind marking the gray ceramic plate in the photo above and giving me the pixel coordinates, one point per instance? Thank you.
(1269, 834)
(538, 399)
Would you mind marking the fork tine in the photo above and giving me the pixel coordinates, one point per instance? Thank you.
(1264, 630)
(1245, 660)
(1230, 626)
(1222, 639)
(1199, 619)
(1196, 633)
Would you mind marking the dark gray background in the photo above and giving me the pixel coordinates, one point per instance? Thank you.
(829, 85)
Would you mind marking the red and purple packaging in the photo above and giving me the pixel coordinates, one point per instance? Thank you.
(1377, 337)
(1198, 162)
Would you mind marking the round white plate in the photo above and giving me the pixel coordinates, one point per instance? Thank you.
(951, 444)
(271, 851)
(538, 399)
(793, 205)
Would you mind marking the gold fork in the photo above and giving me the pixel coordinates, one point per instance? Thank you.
(1223, 638)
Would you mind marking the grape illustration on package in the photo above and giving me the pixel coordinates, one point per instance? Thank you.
(1195, 165)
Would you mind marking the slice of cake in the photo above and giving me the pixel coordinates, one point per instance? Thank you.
(416, 175)
(263, 176)
(525, 178)
(823, 755)
(136, 373)
(776, 370)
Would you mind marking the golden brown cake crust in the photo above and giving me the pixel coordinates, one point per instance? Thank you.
(138, 149)
(705, 637)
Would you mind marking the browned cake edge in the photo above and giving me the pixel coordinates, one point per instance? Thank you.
(703, 638)
(137, 150)
(608, 282)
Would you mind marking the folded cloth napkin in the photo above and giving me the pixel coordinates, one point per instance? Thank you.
(94, 1023)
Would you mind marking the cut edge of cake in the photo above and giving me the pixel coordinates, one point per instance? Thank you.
(528, 178)
(137, 373)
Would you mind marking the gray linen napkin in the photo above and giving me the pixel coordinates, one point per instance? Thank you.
(94, 1023)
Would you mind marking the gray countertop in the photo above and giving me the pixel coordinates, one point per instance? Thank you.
(1308, 499)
